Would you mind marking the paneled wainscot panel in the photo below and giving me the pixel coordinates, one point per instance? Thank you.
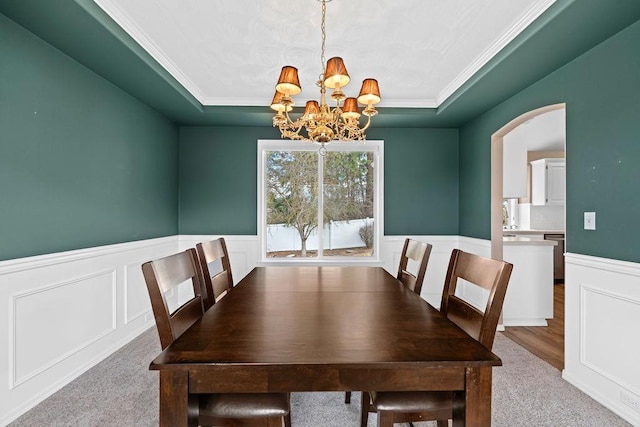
(136, 296)
(602, 313)
(56, 321)
(66, 312)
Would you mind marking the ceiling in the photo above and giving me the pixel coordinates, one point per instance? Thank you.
(439, 63)
(230, 52)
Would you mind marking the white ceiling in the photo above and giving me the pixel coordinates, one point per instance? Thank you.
(230, 52)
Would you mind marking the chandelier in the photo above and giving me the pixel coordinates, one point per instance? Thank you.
(319, 122)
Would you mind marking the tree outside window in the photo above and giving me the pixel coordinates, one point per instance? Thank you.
(292, 201)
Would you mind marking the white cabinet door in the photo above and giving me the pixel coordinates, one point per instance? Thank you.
(547, 182)
(555, 183)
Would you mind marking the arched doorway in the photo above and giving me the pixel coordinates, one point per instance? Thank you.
(530, 337)
(497, 153)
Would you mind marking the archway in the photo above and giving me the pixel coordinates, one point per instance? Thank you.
(497, 153)
(524, 336)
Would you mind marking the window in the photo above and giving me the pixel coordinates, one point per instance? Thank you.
(316, 207)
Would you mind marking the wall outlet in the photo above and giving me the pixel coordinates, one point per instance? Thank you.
(630, 400)
(589, 220)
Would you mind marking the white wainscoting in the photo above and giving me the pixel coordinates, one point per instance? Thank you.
(602, 342)
(99, 295)
(66, 312)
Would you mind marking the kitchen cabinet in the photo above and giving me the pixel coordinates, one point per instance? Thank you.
(547, 182)
(529, 298)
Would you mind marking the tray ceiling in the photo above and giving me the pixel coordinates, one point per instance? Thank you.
(229, 52)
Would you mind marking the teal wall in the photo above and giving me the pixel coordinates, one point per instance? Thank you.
(601, 90)
(420, 180)
(218, 179)
(82, 163)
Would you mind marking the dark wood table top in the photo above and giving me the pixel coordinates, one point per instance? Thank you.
(315, 317)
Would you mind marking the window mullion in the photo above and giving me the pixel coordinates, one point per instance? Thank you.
(320, 228)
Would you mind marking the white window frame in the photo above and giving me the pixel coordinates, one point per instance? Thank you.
(374, 146)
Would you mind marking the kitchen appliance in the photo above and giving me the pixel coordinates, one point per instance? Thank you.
(558, 257)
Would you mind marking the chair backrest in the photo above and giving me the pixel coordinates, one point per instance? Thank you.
(165, 274)
(216, 270)
(418, 252)
(490, 274)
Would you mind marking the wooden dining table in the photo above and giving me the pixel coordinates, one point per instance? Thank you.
(325, 328)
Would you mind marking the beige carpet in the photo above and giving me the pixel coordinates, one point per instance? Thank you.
(121, 391)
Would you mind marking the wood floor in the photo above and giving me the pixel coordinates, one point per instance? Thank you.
(546, 342)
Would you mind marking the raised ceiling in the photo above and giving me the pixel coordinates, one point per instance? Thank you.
(229, 52)
(440, 63)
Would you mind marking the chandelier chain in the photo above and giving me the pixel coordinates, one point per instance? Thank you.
(324, 36)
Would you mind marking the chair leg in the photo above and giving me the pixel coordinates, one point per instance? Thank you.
(385, 419)
(365, 403)
(347, 397)
(287, 420)
(442, 423)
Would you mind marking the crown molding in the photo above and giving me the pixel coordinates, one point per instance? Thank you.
(527, 19)
(120, 17)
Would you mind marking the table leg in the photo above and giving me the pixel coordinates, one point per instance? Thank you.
(385, 419)
(473, 407)
(175, 401)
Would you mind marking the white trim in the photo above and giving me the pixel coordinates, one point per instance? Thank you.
(603, 375)
(511, 33)
(14, 381)
(584, 291)
(29, 263)
(22, 389)
(260, 102)
(374, 146)
(116, 13)
(121, 18)
(604, 264)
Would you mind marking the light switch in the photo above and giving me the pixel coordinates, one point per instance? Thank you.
(589, 220)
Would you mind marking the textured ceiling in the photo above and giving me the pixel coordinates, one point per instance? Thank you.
(229, 52)
(215, 62)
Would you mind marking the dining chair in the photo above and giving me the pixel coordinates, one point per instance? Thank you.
(489, 274)
(163, 277)
(216, 270)
(419, 253)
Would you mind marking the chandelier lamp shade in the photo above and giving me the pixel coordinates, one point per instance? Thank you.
(320, 122)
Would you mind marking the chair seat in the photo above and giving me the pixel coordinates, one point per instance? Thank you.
(241, 405)
(412, 401)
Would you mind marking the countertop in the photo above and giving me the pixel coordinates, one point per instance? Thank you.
(527, 240)
(528, 232)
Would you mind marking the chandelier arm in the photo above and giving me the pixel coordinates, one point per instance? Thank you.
(292, 127)
(366, 126)
(297, 123)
